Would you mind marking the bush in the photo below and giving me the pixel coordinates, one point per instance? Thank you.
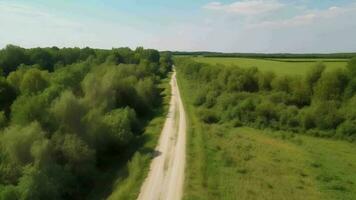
(69, 111)
(265, 80)
(9, 192)
(326, 115)
(28, 108)
(266, 113)
(208, 116)
(78, 156)
(3, 120)
(313, 75)
(34, 81)
(119, 125)
(282, 84)
(200, 98)
(347, 129)
(7, 94)
(330, 86)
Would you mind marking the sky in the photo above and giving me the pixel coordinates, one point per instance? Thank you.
(268, 26)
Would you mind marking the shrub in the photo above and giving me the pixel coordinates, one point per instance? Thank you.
(330, 86)
(282, 84)
(326, 115)
(3, 120)
(265, 80)
(208, 116)
(313, 75)
(119, 125)
(347, 129)
(69, 111)
(266, 112)
(34, 81)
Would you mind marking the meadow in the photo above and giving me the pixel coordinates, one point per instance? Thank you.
(236, 159)
(285, 66)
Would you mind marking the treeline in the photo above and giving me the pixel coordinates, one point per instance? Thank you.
(321, 103)
(266, 55)
(63, 111)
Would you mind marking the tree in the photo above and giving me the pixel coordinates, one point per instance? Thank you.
(11, 57)
(17, 142)
(7, 95)
(282, 84)
(27, 109)
(119, 123)
(34, 81)
(347, 129)
(330, 86)
(69, 111)
(3, 120)
(41, 57)
(313, 75)
(38, 184)
(77, 155)
(265, 80)
(351, 67)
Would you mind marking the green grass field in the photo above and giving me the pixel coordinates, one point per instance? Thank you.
(280, 66)
(228, 163)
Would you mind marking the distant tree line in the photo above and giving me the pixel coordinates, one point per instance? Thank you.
(265, 55)
(64, 111)
(321, 103)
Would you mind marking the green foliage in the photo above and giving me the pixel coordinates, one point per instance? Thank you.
(347, 128)
(77, 155)
(69, 111)
(67, 114)
(27, 109)
(9, 193)
(265, 80)
(17, 142)
(34, 81)
(3, 120)
(314, 74)
(331, 86)
(11, 57)
(40, 184)
(7, 94)
(224, 162)
(119, 125)
(318, 102)
(351, 67)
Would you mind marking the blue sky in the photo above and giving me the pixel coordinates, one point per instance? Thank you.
(192, 25)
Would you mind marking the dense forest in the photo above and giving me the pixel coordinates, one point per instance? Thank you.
(321, 103)
(62, 111)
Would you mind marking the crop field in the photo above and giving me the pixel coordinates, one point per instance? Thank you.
(279, 66)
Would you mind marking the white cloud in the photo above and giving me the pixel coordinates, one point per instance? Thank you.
(309, 17)
(252, 7)
(32, 26)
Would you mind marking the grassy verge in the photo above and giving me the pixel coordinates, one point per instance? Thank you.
(225, 162)
(195, 180)
(127, 178)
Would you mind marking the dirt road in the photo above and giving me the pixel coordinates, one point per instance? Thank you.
(166, 176)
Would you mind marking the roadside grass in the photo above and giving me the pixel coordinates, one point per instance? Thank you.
(279, 66)
(225, 162)
(195, 182)
(128, 178)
